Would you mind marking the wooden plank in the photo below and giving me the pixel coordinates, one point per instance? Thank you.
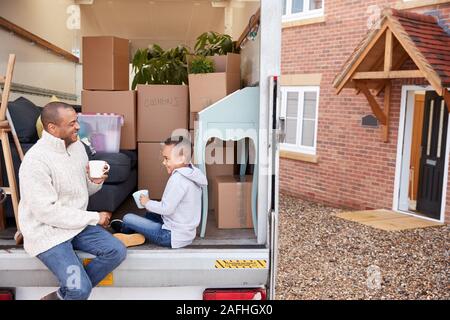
(7, 86)
(21, 32)
(387, 103)
(10, 173)
(396, 66)
(399, 224)
(368, 215)
(398, 74)
(388, 51)
(249, 27)
(2, 207)
(386, 220)
(363, 54)
(372, 102)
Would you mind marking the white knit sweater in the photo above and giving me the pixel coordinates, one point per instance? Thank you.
(54, 190)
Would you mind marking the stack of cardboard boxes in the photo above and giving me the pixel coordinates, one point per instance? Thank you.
(153, 113)
(162, 111)
(106, 83)
(207, 88)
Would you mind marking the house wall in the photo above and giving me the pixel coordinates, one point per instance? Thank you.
(355, 168)
(34, 65)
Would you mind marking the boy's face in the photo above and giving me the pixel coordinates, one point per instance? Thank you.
(171, 159)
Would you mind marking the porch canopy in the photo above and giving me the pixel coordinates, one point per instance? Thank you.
(381, 56)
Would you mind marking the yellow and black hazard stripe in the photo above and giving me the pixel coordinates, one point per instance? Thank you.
(241, 264)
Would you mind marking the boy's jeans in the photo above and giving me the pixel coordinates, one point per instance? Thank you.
(150, 227)
(76, 281)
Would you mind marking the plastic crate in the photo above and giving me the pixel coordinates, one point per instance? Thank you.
(102, 130)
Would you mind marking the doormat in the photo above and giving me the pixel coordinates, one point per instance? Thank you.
(386, 220)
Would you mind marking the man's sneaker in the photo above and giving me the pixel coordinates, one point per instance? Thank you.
(116, 225)
(130, 240)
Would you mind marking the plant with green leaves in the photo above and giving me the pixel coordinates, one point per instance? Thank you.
(153, 65)
(213, 43)
(201, 64)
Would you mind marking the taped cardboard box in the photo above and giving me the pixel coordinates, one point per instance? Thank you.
(233, 202)
(161, 109)
(120, 102)
(226, 165)
(105, 63)
(152, 174)
(220, 163)
(207, 88)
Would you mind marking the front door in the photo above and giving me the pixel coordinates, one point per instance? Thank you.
(432, 162)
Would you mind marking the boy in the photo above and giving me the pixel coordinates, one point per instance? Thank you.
(171, 222)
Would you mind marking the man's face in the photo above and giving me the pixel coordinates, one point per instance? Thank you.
(172, 159)
(67, 127)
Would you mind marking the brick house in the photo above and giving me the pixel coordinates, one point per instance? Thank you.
(346, 149)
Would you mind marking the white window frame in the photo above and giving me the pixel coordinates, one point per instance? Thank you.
(306, 14)
(301, 98)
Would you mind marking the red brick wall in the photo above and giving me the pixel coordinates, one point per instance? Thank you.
(356, 169)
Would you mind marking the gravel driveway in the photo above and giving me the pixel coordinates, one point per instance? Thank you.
(325, 257)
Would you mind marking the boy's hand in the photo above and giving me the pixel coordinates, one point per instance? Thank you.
(143, 199)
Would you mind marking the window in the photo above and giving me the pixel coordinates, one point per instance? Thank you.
(301, 9)
(299, 106)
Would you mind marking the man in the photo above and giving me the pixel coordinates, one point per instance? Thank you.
(55, 186)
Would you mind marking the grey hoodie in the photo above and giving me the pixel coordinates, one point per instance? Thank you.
(181, 204)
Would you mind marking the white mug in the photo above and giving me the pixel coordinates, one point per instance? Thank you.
(97, 168)
(137, 195)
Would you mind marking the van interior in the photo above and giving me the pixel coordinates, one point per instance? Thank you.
(43, 70)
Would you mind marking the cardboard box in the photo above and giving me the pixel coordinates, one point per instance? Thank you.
(105, 63)
(222, 166)
(233, 202)
(207, 88)
(152, 174)
(161, 109)
(120, 102)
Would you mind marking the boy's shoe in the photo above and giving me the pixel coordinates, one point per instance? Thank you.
(116, 225)
(130, 240)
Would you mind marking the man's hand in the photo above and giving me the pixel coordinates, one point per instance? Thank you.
(143, 199)
(98, 180)
(105, 217)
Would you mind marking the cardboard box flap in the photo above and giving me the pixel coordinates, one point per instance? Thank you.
(229, 63)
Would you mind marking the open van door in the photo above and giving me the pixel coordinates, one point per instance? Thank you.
(270, 70)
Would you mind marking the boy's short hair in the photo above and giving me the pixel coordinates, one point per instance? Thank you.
(182, 146)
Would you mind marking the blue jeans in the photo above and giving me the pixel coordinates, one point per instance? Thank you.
(76, 281)
(150, 227)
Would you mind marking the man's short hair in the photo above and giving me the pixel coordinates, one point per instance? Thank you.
(50, 113)
(182, 146)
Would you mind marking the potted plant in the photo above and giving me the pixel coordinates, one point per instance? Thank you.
(212, 43)
(155, 66)
(162, 94)
(201, 64)
(214, 70)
